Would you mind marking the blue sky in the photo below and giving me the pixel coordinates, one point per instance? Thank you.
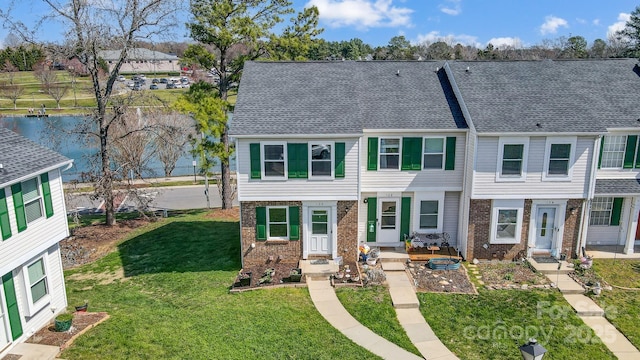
(519, 23)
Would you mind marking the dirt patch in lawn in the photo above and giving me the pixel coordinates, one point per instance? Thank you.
(90, 243)
(225, 215)
(82, 321)
(441, 281)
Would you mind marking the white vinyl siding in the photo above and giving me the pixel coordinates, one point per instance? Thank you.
(485, 185)
(299, 189)
(451, 216)
(426, 180)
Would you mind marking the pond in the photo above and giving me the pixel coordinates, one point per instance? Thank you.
(40, 130)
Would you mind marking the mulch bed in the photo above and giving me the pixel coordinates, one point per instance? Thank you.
(509, 275)
(81, 321)
(440, 281)
(281, 275)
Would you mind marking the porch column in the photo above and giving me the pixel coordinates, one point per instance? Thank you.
(633, 225)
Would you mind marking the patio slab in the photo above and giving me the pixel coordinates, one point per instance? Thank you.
(28, 351)
(611, 252)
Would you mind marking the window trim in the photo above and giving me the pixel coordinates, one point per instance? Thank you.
(380, 153)
(498, 205)
(428, 196)
(32, 308)
(525, 155)
(571, 140)
(332, 160)
(443, 153)
(284, 160)
(39, 199)
(287, 223)
(609, 200)
(624, 147)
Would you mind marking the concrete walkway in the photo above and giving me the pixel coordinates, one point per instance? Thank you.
(587, 310)
(407, 305)
(28, 351)
(325, 300)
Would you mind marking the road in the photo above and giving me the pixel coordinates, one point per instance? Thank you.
(169, 198)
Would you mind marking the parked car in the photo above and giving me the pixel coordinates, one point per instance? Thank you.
(137, 87)
(163, 81)
(155, 81)
(171, 86)
(153, 87)
(121, 78)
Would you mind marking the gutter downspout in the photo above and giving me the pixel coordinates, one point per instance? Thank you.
(584, 216)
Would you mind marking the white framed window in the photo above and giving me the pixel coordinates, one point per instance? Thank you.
(274, 160)
(601, 209)
(321, 159)
(512, 159)
(613, 151)
(428, 212)
(433, 153)
(36, 285)
(389, 156)
(506, 221)
(559, 155)
(278, 223)
(32, 198)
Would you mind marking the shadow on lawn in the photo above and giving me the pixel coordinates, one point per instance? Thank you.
(183, 246)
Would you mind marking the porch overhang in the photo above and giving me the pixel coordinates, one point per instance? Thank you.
(617, 187)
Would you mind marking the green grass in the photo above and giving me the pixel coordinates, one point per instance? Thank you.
(372, 307)
(493, 324)
(174, 302)
(622, 307)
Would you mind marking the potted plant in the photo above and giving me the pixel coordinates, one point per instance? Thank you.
(267, 276)
(63, 322)
(82, 308)
(295, 275)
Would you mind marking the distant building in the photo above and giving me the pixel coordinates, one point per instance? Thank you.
(141, 60)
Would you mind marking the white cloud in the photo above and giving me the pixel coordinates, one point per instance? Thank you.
(596, 22)
(506, 42)
(619, 25)
(362, 14)
(452, 7)
(450, 39)
(551, 25)
(581, 21)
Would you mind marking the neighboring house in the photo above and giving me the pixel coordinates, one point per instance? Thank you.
(140, 60)
(32, 221)
(502, 156)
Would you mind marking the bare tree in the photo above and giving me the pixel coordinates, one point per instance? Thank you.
(57, 92)
(12, 92)
(94, 26)
(132, 146)
(173, 132)
(10, 71)
(45, 75)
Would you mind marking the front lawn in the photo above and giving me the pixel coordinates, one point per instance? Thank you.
(494, 323)
(622, 306)
(167, 291)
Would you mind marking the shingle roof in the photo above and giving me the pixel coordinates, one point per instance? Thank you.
(343, 98)
(137, 54)
(617, 186)
(564, 96)
(21, 157)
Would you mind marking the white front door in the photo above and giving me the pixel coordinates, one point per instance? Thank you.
(320, 231)
(389, 223)
(545, 228)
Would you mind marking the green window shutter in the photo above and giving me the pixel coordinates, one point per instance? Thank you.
(372, 158)
(450, 162)
(601, 151)
(411, 153)
(630, 151)
(339, 157)
(405, 217)
(297, 160)
(637, 164)
(254, 154)
(294, 223)
(46, 194)
(616, 211)
(18, 204)
(372, 213)
(261, 223)
(5, 225)
(12, 306)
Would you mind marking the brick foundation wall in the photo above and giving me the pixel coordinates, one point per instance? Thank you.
(480, 227)
(291, 251)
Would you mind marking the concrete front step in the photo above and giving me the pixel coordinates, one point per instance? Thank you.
(393, 255)
(28, 351)
(552, 268)
(392, 266)
(318, 271)
(583, 305)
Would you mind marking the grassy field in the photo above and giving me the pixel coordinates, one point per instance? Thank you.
(494, 323)
(167, 291)
(622, 306)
